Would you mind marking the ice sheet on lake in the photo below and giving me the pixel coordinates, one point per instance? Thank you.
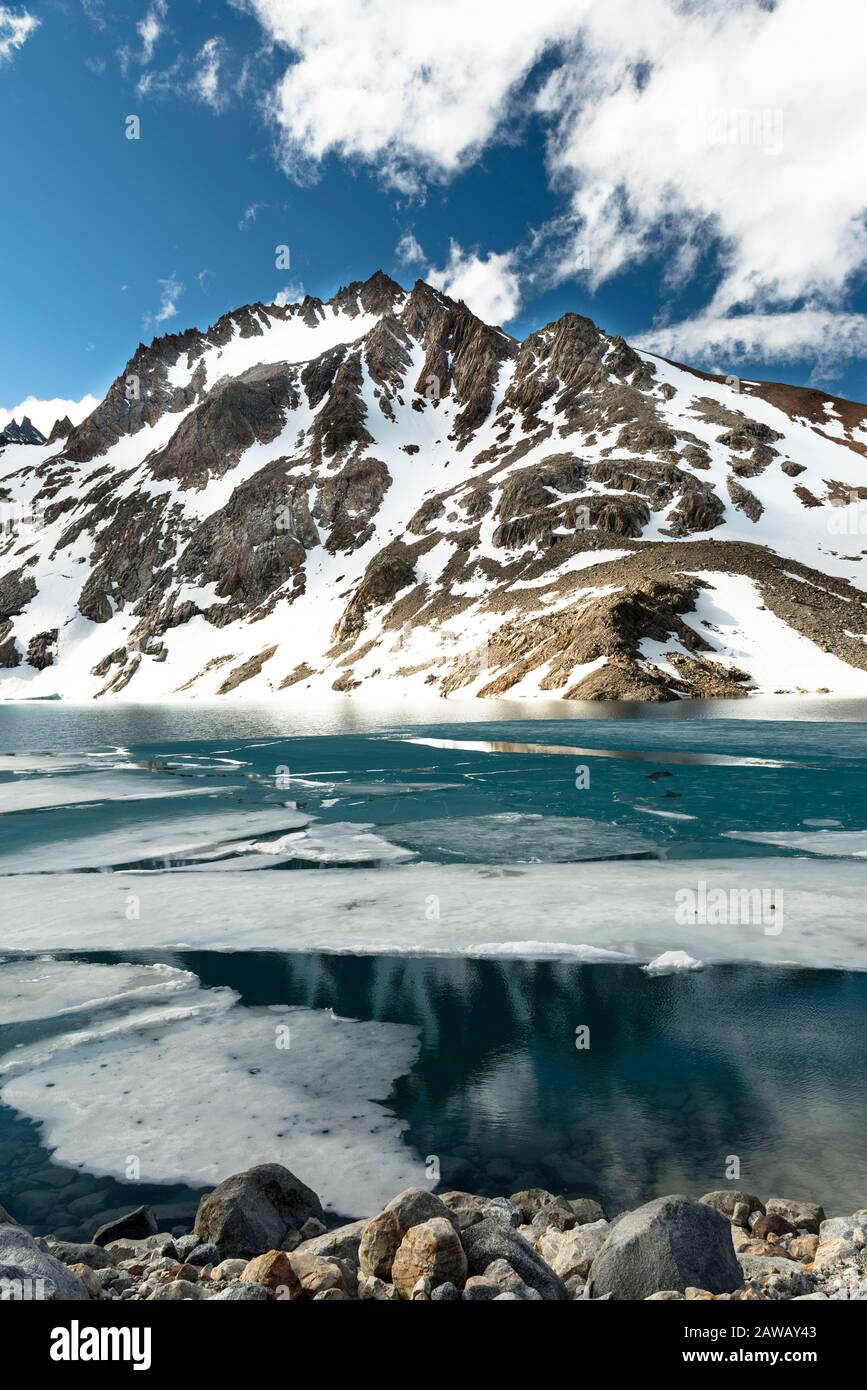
(433, 909)
(47, 988)
(223, 832)
(848, 844)
(42, 793)
(513, 838)
(199, 1092)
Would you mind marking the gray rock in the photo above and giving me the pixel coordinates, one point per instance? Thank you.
(489, 1240)
(178, 1291)
(465, 1207)
(251, 1212)
(843, 1227)
(754, 1266)
(342, 1243)
(727, 1199)
(445, 1293)
(505, 1211)
(185, 1245)
(312, 1228)
(23, 1264)
(480, 1290)
(379, 1290)
(558, 1214)
(587, 1212)
(241, 1293)
(205, 1254)
(416, 1205)
(511, 1297)
(71, 1253)
(134, 1225)
(670, 1243)
(806, 1216)
(502, 1274)
(531, 1200)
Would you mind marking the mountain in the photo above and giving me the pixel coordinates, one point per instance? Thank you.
(25, 433)
(383, 494)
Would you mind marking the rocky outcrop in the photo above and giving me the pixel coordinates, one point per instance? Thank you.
(671, 1243)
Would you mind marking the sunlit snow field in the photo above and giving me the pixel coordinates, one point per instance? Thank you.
(361, 942)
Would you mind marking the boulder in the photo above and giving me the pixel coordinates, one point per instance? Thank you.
(587, 1212)
(727, 1200)
(504, 1210)
(806, 1216)
(573, 1252)
(72, 1253)
(251, 1212)
(501, 1273)
(379, 1291)
(342, 1243)
(317, 1273)
(489, 1240)
(771, 1223)
(670, 1243)
(478, 1289)
(531, 1200)
(177, 1291)
(431, 1250)
(465, 1207)
(557, 1214)
(38, 1275)
(379, 1244)
(832, 1251)
(241, 1293)
(384, 1232)
(134, 1225)
(445, 1293)
(274, 1271)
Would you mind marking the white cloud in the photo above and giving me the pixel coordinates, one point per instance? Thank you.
(408, 250)
(812, 333)
(674, 126)
(151, 28)
(487, 284)
(171, 290)
(249, 215)
(292, 294)
(16, 26)
(206, 79)
(45, 413)
(205, 279)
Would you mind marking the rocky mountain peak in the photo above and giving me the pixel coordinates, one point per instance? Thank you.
(382, 490)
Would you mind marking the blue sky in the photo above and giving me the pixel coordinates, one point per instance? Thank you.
(686, 172)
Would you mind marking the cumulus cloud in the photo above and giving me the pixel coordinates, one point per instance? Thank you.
(408, 250)
(680, 127)
(16, 26)
(44, 414)
(292, 294)
(488, 285)
(795, 336)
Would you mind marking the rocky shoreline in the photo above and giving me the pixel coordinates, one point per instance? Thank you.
(261, 1236)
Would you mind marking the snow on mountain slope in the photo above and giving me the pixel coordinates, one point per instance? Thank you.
(383, 492)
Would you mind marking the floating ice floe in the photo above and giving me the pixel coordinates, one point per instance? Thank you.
(438, 909)
(47, 988)
(514, 838)
(42, 793)
(846, 844)
(672, 963)
(204, 1088)
(203, 835)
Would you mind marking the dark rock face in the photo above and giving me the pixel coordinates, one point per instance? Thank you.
(40, 651)
(25, 433)
(672, 1243)
(251, 1212)
(490, 1240)
(136, 1225)
(384, 578)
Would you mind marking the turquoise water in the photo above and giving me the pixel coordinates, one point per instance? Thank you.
(685, 1072)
